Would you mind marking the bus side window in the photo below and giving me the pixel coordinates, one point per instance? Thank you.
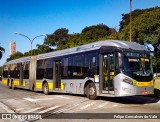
(67, 65)
(26, 70)
(40, 69)
(5, 71)
(48, 68)
(91, 64)
(120, 66)
(78, 65)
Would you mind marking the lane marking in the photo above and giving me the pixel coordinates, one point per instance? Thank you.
(41, 99)
(88, 105)
(6, 108)
(49, 109)
(19, 109)
(101, 105)
(35, 109)
(115, 105)
(30, 99)
(63, 97)
(36, 100)
(66, 108)
(69, 107)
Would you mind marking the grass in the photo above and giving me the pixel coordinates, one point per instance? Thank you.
(157, 87)
(157, 83)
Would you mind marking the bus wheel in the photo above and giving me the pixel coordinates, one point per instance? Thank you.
(45, 88)
(91, 91)
(10, 84)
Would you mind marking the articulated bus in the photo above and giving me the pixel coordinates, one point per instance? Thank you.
(103, 68)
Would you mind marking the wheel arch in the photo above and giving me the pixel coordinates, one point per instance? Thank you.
(85, 85)
(45, 81)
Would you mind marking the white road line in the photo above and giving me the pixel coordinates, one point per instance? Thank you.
(30, 99)
(6, 108)
(115, 105)
(19, 109)
(49, 109)
(41, 99)
(101, 105)
(69, 107)
(36, 100)
(86, 106)
(33, 110)
(63, 97)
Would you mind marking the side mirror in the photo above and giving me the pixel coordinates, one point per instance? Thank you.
(149, 47)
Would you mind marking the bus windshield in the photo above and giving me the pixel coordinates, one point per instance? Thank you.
(137, 65)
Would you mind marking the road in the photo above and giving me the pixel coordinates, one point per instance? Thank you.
(24, 101)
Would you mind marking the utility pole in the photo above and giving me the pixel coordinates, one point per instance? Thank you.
(130, 20)
(31, 40)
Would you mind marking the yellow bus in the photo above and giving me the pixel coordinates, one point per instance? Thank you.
(103, 68)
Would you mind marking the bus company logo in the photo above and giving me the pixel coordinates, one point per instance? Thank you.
(6, 116)
(134, 82)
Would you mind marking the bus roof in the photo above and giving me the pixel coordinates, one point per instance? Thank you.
(86, 47)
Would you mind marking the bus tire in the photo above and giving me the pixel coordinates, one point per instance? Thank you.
(45, 88)
(91, 91)
(9, 84)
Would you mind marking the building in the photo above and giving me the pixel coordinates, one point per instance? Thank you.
(12, 46)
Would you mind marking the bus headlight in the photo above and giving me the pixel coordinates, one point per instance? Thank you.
(129, 81)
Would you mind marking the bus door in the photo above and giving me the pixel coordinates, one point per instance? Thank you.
(57, 75)
(108, 73)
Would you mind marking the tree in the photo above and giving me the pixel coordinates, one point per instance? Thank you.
(2, 50)
(59, 37)
(156, 58)
(15, 56)
(145, 26)
(94, 33)
(26, 54)
(43, 48)
(1, 68)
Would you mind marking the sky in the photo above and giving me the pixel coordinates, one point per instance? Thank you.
(36, 17)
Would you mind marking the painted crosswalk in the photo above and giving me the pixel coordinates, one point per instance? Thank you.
(70, 105)
(101, 105)
(60, 104)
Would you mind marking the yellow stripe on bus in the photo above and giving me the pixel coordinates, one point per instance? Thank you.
(137, 83)
(39, 85)
(50, 85)
(62, 86)
(24, 83)
(16, 82)
(4, 82)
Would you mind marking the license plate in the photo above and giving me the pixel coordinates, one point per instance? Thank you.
(144, 92)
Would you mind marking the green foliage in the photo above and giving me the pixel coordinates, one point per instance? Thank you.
(2, 50)
(94, 33)
(0, 71)
(26, 54)
(74, 40)
(43, 48)
(15, 56)
(145, 25)
(59, 37)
